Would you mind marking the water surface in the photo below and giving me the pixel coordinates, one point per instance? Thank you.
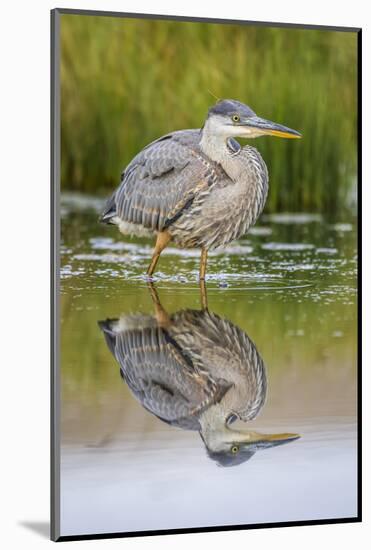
(290, 286)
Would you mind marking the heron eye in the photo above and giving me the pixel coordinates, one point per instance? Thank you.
(235, 118)
(234, 449)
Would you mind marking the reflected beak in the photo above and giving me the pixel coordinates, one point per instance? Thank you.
(264, 441)
(266, 127)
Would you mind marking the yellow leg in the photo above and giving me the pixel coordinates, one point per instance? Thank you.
(203, 294)
(162, 241)
(203, 264)
(161, 315)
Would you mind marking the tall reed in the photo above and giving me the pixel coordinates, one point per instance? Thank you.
(127, 81)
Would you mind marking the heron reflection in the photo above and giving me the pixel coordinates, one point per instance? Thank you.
(197, 371)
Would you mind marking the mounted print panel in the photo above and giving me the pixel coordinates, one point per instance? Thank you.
(205, 229)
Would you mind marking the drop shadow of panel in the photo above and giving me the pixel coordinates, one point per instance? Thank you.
(42, 528)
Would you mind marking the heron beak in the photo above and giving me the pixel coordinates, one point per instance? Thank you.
(266, 127)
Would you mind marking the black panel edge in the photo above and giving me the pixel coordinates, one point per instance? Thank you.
(131, 534)
(54, 278)
(359, 279)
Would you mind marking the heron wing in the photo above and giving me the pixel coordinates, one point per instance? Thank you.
(161, 182)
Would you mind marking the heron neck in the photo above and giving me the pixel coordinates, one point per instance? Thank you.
(214, 146)
(214, 430)
(213, 419)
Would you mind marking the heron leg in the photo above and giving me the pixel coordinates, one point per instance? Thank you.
(203, 264)
(203, 294)
(161, 315)
(162, 241)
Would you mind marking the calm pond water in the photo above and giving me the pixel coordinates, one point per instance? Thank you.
(281, 303)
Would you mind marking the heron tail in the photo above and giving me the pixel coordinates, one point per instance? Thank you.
(109, 333)
(109, 211)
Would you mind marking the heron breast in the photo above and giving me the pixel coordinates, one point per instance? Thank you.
(133, 229)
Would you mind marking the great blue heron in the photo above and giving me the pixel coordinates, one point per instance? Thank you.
(196, 371)
(197, 188)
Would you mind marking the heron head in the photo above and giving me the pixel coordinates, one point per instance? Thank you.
(230, 118)
(231, 447)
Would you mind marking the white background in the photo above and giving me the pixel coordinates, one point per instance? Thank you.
(24, 314)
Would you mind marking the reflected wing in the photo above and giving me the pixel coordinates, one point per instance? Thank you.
(220, 348)
(161, 182)
(160, 375)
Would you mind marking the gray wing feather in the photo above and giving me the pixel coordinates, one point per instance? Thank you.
(160, 181)
(160, 376)
(222, 349)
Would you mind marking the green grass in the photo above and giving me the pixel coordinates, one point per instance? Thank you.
(126, 82)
